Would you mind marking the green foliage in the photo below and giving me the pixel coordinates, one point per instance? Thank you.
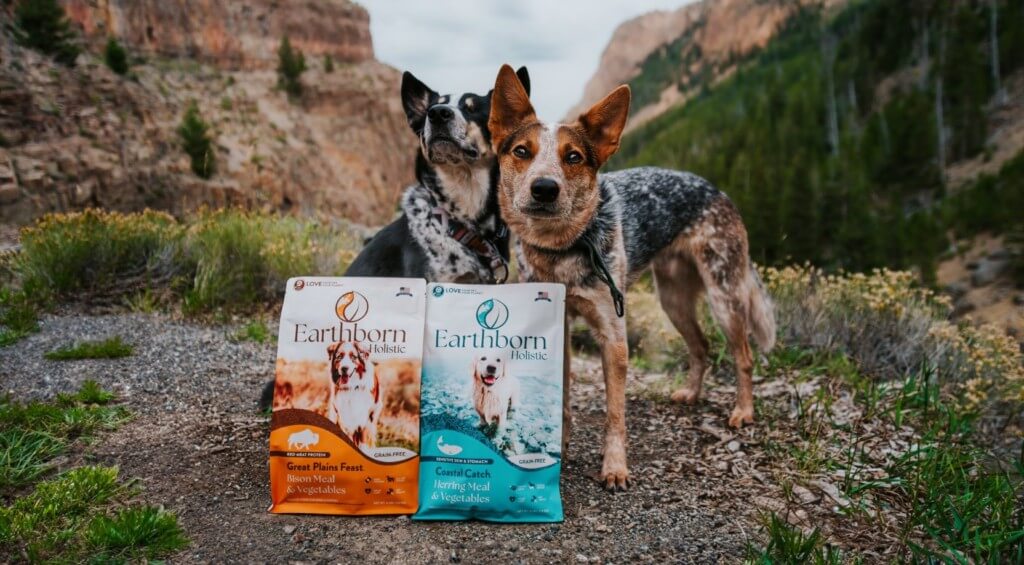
(958, 496)
(197, 143)
(33, 433)
(115, 56)
(227, 259)
(290, 66)
(136, 532)
(66, 520)
(328, 63)
(254, 331)
(18, 316)
(42, 25)
(786, 544)
(110, 348)
(25, 455)
(84, 253)
(763, 135)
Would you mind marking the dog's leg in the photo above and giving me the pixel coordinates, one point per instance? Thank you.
(731, 313)
(566, 388)
(611, 334)
(679, 285)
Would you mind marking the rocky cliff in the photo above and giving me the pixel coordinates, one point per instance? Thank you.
(84, 136)
(697, 41)
(230, 34)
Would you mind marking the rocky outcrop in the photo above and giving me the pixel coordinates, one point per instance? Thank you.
(630, 44)
(72, 138)
(720, 31)
(230, 34)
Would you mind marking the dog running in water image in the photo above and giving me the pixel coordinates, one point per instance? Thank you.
(355, 403)
(495, 392)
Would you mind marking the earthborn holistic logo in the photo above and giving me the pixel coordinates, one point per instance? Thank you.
(352, 307)
(492, 315)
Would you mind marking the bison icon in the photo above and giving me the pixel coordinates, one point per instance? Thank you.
(303, 440)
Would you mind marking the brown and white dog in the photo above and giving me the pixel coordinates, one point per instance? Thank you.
(495, 392)
(355, 403)
(596, 234)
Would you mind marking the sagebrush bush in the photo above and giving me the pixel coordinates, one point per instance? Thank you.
(82, 253)
(228, 259)
(892, 327)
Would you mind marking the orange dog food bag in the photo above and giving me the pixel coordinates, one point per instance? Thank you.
(344, 432)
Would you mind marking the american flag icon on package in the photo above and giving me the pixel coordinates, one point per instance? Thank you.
(542, 295)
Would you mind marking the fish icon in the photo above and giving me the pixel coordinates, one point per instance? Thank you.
(447, 448)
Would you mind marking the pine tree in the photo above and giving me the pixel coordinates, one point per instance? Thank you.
(42, 25)
(116, 57)
(291, 65)
(328, 63)
(196, 142)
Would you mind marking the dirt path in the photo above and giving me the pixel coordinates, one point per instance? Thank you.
(197, 446)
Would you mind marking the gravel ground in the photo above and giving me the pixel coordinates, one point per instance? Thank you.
(197, 446)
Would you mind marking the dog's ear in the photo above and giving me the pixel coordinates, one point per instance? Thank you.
(510, 107)
(364, 355)
(603, 123)
(524, 78)
(416, 98)
(332, 348)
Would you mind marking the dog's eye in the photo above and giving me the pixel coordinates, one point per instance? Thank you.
(483, 358)
(521, 152)
(574, 158)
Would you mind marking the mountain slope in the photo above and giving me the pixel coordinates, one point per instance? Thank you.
(665, 56)
(83, 136)
(837, 139)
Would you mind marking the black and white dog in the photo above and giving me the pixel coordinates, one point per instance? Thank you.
(450, 229)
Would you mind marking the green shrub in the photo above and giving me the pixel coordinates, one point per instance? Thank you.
(42, 25)
(228, 259)
(144, 531)
(115, 57)
(18, 316)
(84, 254)
(328, 64)
(197, 143)
(112, 348)
(291, 64)
(787, 544)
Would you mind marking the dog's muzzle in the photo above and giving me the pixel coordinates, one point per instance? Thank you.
(342, 376)
(491, 376)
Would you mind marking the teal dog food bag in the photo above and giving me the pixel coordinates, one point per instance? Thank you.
(491, 403)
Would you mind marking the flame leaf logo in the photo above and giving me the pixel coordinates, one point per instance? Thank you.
(492, 314)
(352, 307)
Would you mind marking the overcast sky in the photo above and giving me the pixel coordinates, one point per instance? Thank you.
(458, 45)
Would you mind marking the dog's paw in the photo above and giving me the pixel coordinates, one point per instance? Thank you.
(740, 416)
(615, 480)
(686, 395)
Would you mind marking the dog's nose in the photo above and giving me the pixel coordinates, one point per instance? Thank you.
(440, 113)
(544, 190)
(491, 368)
